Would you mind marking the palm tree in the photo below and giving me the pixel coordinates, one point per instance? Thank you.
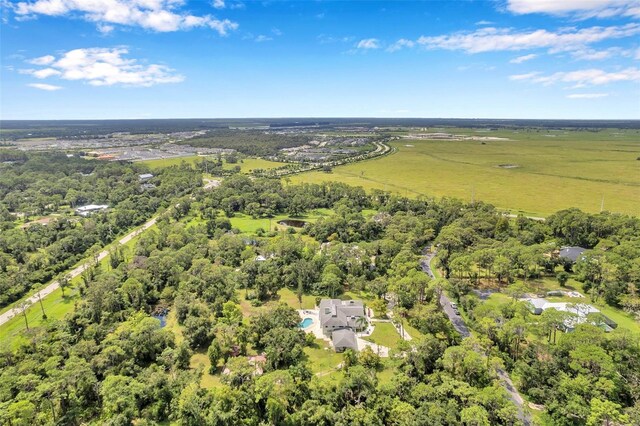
(362, 323)
(63, 282)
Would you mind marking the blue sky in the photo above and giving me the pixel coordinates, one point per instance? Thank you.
(66, 59)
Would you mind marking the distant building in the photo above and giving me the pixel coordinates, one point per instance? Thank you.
(90, 209)
(145, 176)
(571, 254)
(147, 186)
(580, 312)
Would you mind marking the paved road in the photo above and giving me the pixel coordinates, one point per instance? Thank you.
(461, 327)
(6, 316)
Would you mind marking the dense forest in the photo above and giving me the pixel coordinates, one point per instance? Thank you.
(50, 186)
(249, 142)
(111, 362)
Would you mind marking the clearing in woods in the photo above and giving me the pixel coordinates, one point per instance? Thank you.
(535, 172)
(247, 165)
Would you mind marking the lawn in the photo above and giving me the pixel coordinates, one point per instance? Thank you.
(322, 358)
(249, 225)
(385, 334)
(284, 295)
(543, 174)
(175, 161)
(623, 319)
(246, 166)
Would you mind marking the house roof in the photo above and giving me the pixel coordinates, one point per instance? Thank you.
(91, 207)
(340, 313)
(344, 338)
(572, 253)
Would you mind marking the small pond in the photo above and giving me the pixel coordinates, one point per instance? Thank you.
(162, 318)
(295, 223)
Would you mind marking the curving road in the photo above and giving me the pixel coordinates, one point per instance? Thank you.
(461, 327)
(6, 316)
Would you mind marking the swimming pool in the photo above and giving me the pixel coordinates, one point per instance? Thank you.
(305, 323)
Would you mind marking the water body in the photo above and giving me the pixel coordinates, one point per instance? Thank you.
(293, 223)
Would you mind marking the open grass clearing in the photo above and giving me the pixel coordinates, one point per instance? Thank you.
(250, 225)
(385, 334)
(160, 163)
(247, 165)
(572, 169)
(322, 358)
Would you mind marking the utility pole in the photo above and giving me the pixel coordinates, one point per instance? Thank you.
(44, 316)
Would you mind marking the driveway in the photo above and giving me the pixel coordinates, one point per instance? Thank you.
(456, 320)
(461, 327)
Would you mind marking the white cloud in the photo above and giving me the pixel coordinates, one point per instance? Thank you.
(494, 39)
(262, 38)
(400, 44)
(527, 76)
(368, 43)
(218, 4)
(587, 95)
(42, 60)
(106, 67)
(45, 73)
(325, 39)
(580, 8)
(105, 28)
(521, 59)
(155, 15)
(597, 55)
(581, 78)
(483, 22)
(42, 86)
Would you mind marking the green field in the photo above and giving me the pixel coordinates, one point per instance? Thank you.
(246, 166)
(250, 164)
(166, 162)
(553, 170)
(247, 224)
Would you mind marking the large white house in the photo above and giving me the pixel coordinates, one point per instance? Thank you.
(579, 312)
(90, 208)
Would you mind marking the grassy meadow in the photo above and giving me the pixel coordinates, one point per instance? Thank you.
(542, 171)
(246, 166)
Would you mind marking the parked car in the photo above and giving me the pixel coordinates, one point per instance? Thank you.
(454, 306)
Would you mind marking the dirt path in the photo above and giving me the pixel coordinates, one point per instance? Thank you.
(6, 316)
